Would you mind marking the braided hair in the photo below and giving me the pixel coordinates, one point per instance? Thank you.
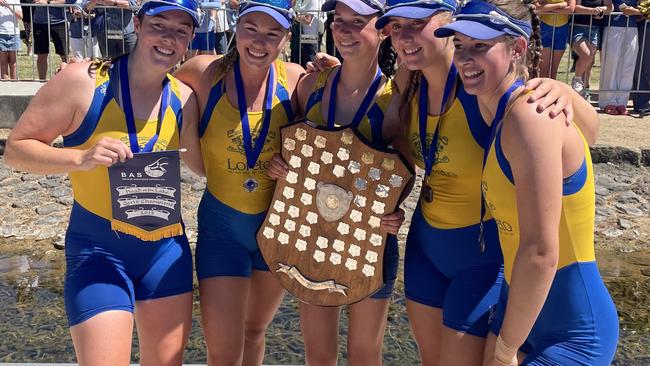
(387, 57)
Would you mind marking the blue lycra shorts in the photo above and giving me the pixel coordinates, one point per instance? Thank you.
(555, 37)
(578, 324)
(107, 270)
(391, 261)
(445, 268)
(226, 243)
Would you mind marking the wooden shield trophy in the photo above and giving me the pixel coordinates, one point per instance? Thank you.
(321, 236)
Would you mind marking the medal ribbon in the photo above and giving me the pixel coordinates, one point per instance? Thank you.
(127, 106)
(253, 151)
(429, 150)
(498, 116)
(363, 107)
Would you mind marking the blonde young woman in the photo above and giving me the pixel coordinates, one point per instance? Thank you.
(356, 94)
(244, 99)
(452, 263)
(538, 183)
(114, 110)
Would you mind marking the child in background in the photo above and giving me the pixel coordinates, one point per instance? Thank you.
(10, 12)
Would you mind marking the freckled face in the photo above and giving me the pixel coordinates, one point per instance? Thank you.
(414, 41)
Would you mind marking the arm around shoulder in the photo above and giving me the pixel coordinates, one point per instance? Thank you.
(189, 134)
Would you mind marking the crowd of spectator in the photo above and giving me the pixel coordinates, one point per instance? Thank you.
(104, 28)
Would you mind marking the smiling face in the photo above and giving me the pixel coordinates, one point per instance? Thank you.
(414, 40)
(484, 64)
(260, 39)
(164, 38)
(354, 35)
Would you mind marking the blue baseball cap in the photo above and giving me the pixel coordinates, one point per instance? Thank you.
(154, 7)
(361, 7)
(418, 9)
(481, 20)
(279, 10)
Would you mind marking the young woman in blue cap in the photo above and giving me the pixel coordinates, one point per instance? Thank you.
(356, 94)
(452, 265)
(244, 99)
(538, 183)
(113, 279)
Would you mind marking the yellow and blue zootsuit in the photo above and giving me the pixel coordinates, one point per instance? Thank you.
(237, 195)
(445, 265)
(369, 127)
(107, 270)
(578, 324)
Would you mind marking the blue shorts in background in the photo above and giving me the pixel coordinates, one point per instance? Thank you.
(204, 41)
(9, 42)
(555, 37)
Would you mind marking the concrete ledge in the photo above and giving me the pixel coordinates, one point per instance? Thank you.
(14, 97)
(618, 154)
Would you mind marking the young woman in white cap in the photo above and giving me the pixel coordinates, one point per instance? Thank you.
(244, 99)
(452, 265)
(356, 94)
(538, 183)
(113, 279)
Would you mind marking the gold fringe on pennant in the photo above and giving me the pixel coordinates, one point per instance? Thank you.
(161, 233)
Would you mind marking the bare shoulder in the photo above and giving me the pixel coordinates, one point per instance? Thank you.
(524, 126)
(294, 73)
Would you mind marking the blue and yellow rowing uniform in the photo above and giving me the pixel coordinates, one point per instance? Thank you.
(236, 198)
(578, 324)
(444, 266)
(106, 270)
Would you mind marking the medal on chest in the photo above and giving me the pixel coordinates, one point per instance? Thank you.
(253, 150)
(429, 149)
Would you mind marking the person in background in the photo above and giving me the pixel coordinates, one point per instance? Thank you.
(113, 280)
(49, 25)
(221, 27)
(554, 15)
(10, 13)
(27, 25)
(116, 33)
(204, 36)
(306, 34)
(584, 40)
(641, 101)
(83, 34)
(618, 56)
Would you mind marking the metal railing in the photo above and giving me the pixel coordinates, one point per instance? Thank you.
(306, 37)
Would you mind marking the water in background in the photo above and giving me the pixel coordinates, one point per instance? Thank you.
(34, 328)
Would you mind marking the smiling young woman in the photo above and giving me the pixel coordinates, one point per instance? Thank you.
(112, 280)
(538, 184)
(245, 98)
